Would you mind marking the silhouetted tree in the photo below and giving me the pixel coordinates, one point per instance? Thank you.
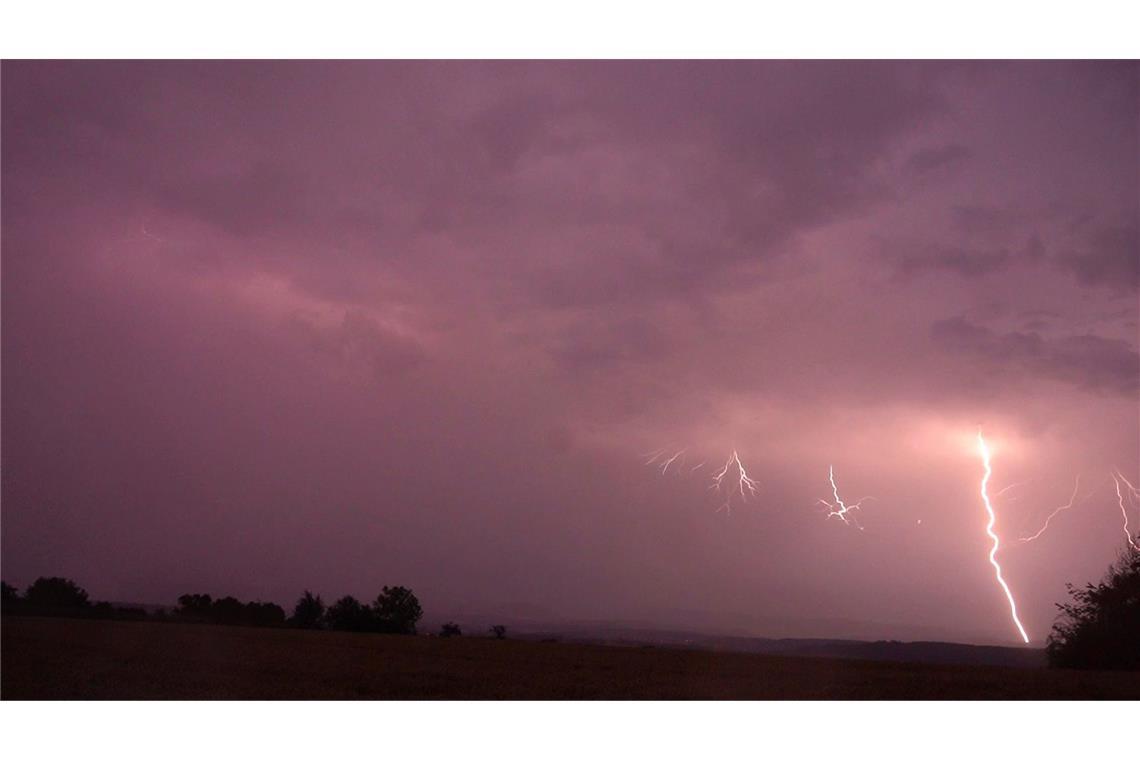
(1100, 628)
(309, 612)
(227, 611)
(11, 603)
(347, 614)
(55, 593)
(499, 631)
(195, 606)
(449, 630)
(397, 610)
(264, 614)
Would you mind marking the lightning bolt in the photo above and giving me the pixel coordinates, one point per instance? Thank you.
(839, 508)
(1057, 511)
(742, 481)
(1133, 491)
(1117, 478)
(985, 453)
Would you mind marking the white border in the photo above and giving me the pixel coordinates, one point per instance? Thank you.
(581, 29)
(574, 730)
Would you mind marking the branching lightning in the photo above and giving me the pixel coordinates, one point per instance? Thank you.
(1132, 492)
(671, 460)
(1010, 487)
(839, 508)
(985, 454)
(742, 482)
(1057, 511)
(732, 479)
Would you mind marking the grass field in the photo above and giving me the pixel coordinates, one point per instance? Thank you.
(54, 658)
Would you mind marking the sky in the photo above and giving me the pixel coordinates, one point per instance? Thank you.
(270, 326)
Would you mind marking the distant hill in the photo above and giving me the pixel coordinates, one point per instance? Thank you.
(68, 658)
(933, 652)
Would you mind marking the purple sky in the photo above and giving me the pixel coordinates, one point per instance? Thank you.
(269, 326)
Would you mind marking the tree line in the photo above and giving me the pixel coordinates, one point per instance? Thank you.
(61, 597)
(1098, 629)
(396, 610)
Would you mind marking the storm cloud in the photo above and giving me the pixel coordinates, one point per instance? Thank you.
(270, 326)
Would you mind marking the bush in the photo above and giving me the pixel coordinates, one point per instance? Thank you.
(449, 630)
(1100, 628)
(194, 606)
(56, 593)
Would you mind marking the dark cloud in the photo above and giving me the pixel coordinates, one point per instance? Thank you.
(960, 261)
(979, 219)
(680, 154)
(967, 262)
(340, 324)
(601, 344)
(1110, 259)
(1088, 361)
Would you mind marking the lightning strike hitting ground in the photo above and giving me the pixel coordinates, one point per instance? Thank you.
(985, 454)
(839, 508)
(742, 481)
(1057, 511)
(1117, 478)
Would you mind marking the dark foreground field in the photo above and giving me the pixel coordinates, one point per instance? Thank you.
(44, 658)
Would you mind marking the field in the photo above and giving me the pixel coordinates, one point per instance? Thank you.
(45, 658)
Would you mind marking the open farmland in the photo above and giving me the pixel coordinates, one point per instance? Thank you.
(55, 658)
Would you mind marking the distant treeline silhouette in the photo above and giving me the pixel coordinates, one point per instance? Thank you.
(1099, 629)
(201, 608)
(61, 597)
(395, 610)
